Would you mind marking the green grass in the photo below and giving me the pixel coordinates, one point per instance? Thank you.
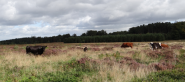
(100, 56)
(182, 51)
(67, 76)
(163, 76)
(16, 47)
(72, 72)
(80, 44)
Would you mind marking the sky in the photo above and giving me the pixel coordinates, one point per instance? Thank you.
(46, 18)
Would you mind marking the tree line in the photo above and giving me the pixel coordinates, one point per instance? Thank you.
(167, 30)
(117, 38)
(171, 31)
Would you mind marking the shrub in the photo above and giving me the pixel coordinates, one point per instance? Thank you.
(117, 56)
(100, 56)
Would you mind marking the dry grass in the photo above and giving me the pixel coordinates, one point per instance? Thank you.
(106, 73)
(117, 74)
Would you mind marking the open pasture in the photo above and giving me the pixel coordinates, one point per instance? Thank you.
(100, 63)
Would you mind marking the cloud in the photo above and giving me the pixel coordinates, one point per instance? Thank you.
(25, 18)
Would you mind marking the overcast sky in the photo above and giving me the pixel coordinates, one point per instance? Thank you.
(26, 18)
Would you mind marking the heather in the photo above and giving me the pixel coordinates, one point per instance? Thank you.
(101, 62)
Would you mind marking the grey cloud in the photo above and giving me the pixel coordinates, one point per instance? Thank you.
(70, 16)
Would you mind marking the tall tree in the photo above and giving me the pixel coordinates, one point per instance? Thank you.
(66, 35)
(74, 35)
(83, 34)
(102, 32)
(91, 33)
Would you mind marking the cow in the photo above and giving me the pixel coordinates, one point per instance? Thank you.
(127, 44)
(164, 46)
(85, 49)
(36, 50)
(155, 46)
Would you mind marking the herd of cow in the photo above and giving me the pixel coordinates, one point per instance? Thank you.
(153, 46)
(38, 50)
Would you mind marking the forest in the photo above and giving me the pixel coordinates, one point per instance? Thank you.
(158, 31)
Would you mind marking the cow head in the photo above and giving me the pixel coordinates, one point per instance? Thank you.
(151, 43)
(44, 47)
(41, 49)
(159, 43)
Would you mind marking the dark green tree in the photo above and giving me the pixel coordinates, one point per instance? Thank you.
(102, 32)
(83, 34)
(91, 33)
(66, 35)
(74, 35)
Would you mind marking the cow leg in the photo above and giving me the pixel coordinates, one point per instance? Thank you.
(37, 53)
(154, 48)
(28, 53)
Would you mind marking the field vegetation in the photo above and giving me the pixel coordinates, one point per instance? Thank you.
(102, 62)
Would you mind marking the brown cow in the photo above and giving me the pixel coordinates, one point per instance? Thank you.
(164, 46)
(127, 44)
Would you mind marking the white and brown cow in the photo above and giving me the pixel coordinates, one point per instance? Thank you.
(164, 46)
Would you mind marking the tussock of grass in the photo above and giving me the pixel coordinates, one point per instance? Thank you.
(117, 74)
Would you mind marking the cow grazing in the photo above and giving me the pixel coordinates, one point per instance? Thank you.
(127, 44)
(85, 49)
(36, 50)
(155, 46)
(164, 46)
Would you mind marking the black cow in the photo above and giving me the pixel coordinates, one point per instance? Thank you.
(155, 46)
(36, 50)
(85, 49)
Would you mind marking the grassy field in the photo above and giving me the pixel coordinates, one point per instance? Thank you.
(67, 62)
